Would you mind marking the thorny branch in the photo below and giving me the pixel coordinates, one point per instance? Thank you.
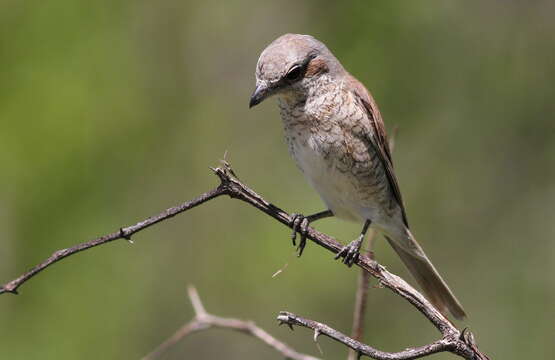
(361, 349)
(122, 233)
(204, 321)
(460, 343)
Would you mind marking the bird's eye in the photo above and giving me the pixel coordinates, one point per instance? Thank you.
(294, 74)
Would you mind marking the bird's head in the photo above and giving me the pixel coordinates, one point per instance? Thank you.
(290, 65)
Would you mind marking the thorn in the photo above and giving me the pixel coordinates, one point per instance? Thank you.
(218, 171)
(222, 174)
(125, 236)
(316, 334)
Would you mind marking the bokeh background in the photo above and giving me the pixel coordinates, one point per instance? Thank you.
(112, 111)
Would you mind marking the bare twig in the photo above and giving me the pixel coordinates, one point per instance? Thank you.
(122, 233)
(444, 344)
(204, 321)
(232, 187)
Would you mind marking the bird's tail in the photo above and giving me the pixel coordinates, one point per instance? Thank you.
(426, 275)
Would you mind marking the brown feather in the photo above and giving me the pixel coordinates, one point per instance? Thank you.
(415, 259)
(315, 67)
(379, 138)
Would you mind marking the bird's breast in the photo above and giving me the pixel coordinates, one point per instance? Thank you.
(313, 156)
(328, 148)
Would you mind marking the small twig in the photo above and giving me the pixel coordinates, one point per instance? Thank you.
(204, 321)
(444, 344)
(200, 311)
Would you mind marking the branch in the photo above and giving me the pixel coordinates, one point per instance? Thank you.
(362, 349)
(122, 233)
(204, 321)
(235, 189)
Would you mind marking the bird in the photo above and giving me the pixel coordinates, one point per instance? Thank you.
(336, 135)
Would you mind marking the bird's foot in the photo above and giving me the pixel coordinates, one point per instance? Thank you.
(299, 223)
(351, 252)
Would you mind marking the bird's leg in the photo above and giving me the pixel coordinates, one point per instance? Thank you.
(351, 252)
(300, 224)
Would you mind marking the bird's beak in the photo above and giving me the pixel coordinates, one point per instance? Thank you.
(261, 92)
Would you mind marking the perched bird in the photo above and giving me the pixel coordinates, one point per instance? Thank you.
(336, 135)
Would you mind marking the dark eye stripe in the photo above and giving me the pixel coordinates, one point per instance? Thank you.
(295, 73)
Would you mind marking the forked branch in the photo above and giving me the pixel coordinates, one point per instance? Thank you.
(204, 321)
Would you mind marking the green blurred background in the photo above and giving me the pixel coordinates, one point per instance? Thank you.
(112, 111)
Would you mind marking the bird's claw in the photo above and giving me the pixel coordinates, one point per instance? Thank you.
(299, 223)
(350, 253)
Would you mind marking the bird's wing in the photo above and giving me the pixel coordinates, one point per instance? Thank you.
(378, 137)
